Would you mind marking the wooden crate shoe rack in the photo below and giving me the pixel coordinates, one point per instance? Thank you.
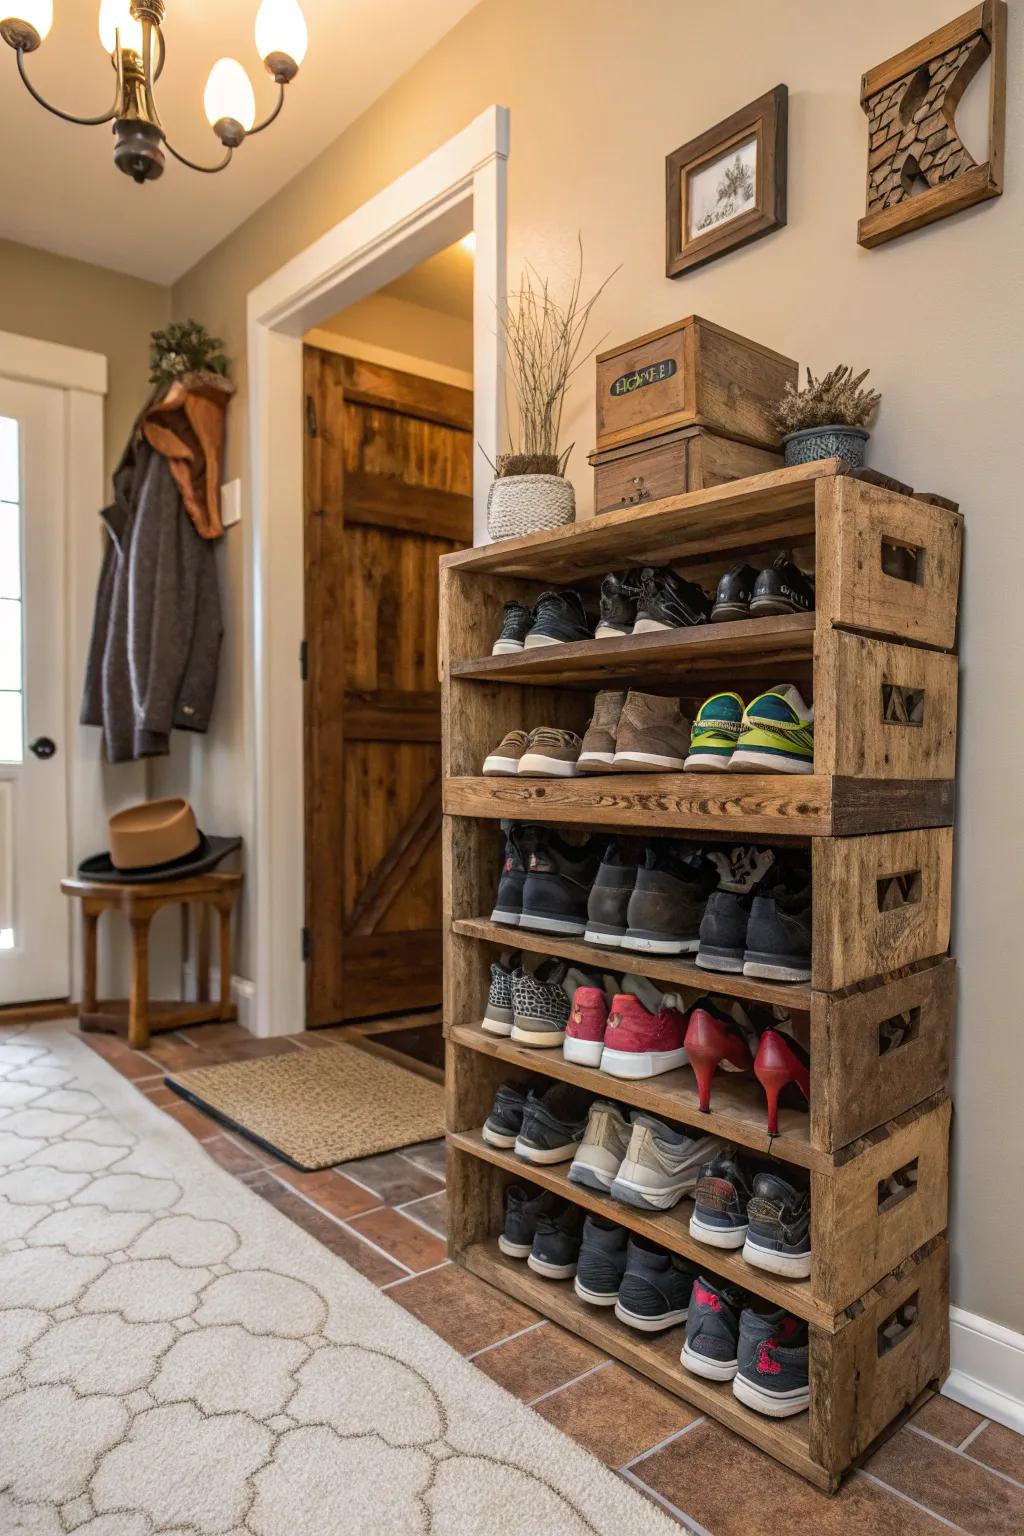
(878, 658)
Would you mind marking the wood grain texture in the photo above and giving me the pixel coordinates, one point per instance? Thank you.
(856, 1085)
(866, 532)
(859, 1235)
(856, 938)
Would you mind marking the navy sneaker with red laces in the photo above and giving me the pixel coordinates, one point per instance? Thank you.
(772, 1373)
(713, 1330)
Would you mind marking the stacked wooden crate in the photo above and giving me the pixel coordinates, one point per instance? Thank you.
(878, 656)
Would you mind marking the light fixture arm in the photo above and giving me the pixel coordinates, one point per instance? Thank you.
(272, 115)
(67, 117)
(207, 170)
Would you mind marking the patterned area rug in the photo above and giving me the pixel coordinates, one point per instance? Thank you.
(178, 1359)
(318, 1108)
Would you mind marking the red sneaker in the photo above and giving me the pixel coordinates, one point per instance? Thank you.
(642, 1044)
(584, 1033)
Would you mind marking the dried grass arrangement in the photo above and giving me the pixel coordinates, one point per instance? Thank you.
(543, 346)
(835, 400)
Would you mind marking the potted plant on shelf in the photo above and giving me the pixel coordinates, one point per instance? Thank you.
(827, 420)
(543, 341)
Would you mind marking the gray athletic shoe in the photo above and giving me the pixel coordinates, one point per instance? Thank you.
(603, 1147)
(553, 1124)
(655, 1289)
(602, 1262)
(661, 1164)
(772, 1376)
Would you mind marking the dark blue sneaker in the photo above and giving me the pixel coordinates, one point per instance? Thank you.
(655, 1289)
(720, 1201)
(772, 1374)
(779, 1228)
(556, 1242)
(713, 1330)
(505, 1120)
(602, 1262)
(520, 841)
(524, 1204)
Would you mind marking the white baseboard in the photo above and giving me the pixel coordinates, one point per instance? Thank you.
(986, 1368)
(243, 992)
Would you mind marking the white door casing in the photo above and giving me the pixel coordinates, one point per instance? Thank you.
(34, 948)
(458, 188)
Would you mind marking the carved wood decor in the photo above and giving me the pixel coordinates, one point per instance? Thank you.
(919, 169)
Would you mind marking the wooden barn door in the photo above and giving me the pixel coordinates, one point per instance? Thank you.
(388, 490)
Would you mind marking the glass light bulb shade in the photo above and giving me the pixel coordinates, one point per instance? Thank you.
(37, 14)
(281, 28)
(116, 16)
(229, 93)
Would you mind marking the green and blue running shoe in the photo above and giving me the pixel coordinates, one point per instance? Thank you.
(777, 734)
(714, 733)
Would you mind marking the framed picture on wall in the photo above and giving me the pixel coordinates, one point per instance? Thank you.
(727, 186)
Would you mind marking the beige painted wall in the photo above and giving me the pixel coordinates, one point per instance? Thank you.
(412, 330)
(599, 93)
(55, 299)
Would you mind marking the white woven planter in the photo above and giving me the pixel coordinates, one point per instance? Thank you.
(519, 504)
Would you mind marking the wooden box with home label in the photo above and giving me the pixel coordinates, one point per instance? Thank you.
(690, 374)
(688, 459)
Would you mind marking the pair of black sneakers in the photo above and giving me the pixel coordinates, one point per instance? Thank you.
(759, 923)
(748, 593)
(742, 1202)
(633, 602)
(545, 880)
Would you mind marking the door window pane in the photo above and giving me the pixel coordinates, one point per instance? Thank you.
(9, 476)
(12, 738)
(10, 645)
(10, 549)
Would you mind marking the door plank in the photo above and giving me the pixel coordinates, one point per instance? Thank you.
(373, 384)
(382, 501)
(393, 715)
(413, 840)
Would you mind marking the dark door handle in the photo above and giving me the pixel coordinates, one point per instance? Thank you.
(43, 747)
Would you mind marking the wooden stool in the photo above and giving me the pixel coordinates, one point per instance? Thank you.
(138, 1015)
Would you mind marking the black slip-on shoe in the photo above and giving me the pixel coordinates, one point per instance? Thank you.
(620, 594)
(559, 618)
(782, 588)
(735, 590)
(602, 1261)
(556, 1242)
(524, 1205)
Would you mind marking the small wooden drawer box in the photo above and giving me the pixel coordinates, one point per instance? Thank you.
(692, 373)
(688, 459)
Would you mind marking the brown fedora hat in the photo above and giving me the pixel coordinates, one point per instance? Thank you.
(157, 840)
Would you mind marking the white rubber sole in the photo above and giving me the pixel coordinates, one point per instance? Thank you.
(749, 760)
(717, 1237)
(643, 761)
(510, 919)
(500, 767)
(649, 627)
(641, 1063)
(551, 1271)
(604, 940)
(498, 1138)
(766, 972)
(543, 1156)
(506, 647)
(645, 1199)
(496, 1026)
(795, 1266)
(595, 1176)
(594, 1298)
(706, 762)
(610, 632)
(781, 1405)
(711, 1370)
(513, 1250)
(536, 765)
(659, 946)
(537, 1037)
(597, 762)
(585, 1053)
(532, 641)
(562, 925)
(649, 1324)
(731, 963)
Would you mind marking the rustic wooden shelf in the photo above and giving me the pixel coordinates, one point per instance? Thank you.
(752, 647)
(740, 804)
(678, 973)
(669, 1228)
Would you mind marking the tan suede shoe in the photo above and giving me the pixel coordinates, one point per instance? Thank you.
(598, 750)
(653, 735)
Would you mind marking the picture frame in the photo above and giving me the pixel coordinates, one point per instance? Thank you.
(727, 187)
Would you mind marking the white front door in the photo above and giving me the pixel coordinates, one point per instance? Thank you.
(34, 959)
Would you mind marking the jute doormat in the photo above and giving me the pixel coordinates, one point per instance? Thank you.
(319, 1107)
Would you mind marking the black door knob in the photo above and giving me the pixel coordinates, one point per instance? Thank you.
(43, 747)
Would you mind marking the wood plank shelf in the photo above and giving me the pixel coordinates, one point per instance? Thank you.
(737, 1103)
(751, 647)
(794, 996)
(770, 805)
(669, 1228)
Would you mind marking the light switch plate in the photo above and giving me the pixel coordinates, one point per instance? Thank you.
(231, 503)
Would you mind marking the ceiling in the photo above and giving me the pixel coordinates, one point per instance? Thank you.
(444, 282)
(60, 190)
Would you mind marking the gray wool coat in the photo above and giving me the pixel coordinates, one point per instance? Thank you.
(152, 662)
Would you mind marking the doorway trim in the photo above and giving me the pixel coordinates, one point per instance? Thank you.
(459, 188)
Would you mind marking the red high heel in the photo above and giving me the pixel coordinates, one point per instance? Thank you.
(713, 1038)
(781, 1060)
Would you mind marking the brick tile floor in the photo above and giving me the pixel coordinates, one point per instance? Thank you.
(949, 1469)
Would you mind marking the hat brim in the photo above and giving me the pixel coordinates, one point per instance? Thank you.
(207, 854)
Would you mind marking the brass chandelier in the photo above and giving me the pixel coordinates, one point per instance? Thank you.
(131, 32)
